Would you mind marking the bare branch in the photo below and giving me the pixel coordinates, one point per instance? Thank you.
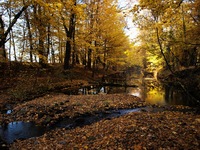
(15, 20)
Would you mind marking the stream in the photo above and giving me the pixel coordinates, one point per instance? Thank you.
(148, 89)
(23, 130)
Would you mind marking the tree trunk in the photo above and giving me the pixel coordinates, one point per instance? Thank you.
(162, 51)
(52, 52)
(42, 32)
(2, 40)
(84, 58)
(185, 54)
(29, 35)
(67, 55)
(60, 51)
(89, 64)
(5, 34)
(14, 48)
(48, 40)
(23, 45)
(69, 32)
(104, 55)
(74, 50)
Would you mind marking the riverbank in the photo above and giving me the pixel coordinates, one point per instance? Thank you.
(187, 78)
(49, 109)
(24, 82)
(137, 130)
(151, 127)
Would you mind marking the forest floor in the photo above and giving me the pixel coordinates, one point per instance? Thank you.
(137, 130)
(39, 97)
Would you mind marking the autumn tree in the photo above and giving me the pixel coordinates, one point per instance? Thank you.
(87, 32)
(4, 32)
(169, 24)
(105, 38)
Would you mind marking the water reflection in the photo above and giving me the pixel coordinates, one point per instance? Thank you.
(23, 130)
(135, 92)
(92, 90)
(176, 96)
(155, 96)
(9, 112)
(20, 130)
(150, 90)
(154, 92)
(80, 121)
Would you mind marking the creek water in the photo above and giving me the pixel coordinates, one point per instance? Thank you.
(23, 130)
(20, 130)
(148, 89)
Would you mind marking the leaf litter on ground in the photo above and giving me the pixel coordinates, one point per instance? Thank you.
(166, 128)
(48, 109)
(137, 130)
